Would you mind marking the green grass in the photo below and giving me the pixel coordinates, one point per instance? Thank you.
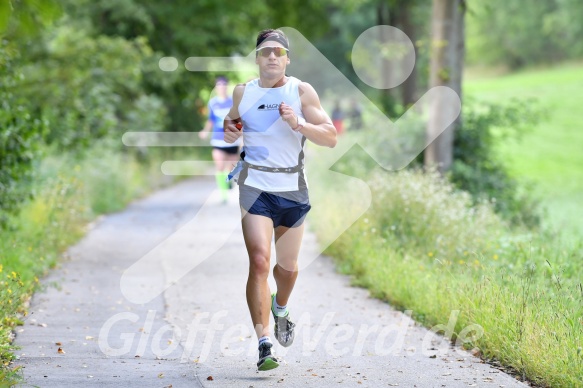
(423, 246)
(551, 155)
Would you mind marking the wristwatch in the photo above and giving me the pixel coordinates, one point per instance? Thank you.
(301, 123)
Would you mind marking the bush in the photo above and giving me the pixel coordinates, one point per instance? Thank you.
(477, 169)
(425, 246)
(67, 90)
(84, 87)
(20, 134)
(425, 211)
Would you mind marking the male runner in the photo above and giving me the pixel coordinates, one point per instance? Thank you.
(277, 114)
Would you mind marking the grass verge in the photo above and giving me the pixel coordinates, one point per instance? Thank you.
(423, 246)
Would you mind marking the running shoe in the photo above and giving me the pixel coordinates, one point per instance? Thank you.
(266, 360)
(284, 327)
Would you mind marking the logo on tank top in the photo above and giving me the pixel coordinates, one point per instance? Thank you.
(268, 107)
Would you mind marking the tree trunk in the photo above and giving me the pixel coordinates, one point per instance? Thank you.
(403, 21)
(387, 95)
(447, 58)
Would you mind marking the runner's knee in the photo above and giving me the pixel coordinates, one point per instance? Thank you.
(288, 271)
(259, 264)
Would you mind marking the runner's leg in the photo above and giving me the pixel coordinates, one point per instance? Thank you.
(287, 247)
(257, 232)
(220, 159)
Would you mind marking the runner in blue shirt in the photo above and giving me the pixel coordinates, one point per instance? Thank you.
(224, 154)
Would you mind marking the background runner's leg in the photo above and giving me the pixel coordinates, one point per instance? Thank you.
(221, 158)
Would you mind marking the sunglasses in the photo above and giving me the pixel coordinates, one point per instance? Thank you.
(266, 51)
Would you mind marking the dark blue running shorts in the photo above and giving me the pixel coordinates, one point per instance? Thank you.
(288, 208)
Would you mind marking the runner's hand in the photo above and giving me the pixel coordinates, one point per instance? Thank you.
(203, 134)
(288, 115)
(232, 133)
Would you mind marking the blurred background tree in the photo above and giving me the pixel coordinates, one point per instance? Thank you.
(518, 33)
(76, 71)
(21, 131)
(446, 69)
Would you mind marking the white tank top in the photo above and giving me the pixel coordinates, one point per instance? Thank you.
(268, 140)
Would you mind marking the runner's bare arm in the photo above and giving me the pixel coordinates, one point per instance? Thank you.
(232, 133)
(319, 128)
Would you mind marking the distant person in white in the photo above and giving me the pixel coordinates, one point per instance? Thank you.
(277, 114)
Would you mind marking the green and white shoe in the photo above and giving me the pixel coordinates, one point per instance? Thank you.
(266, 360)
(284, 327)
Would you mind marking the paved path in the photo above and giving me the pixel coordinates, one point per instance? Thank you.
(197, 331)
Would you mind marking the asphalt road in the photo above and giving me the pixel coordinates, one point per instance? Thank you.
(154, 296)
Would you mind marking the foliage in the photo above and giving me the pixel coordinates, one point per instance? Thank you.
(427, 247)
(518, 33)
(424, 207)
(478, 170)
(349, 20)
(27, 17)
(66, 89)
(183, 29)
(84, 87)
(20, 133)
(126, 18)
(477, 167)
